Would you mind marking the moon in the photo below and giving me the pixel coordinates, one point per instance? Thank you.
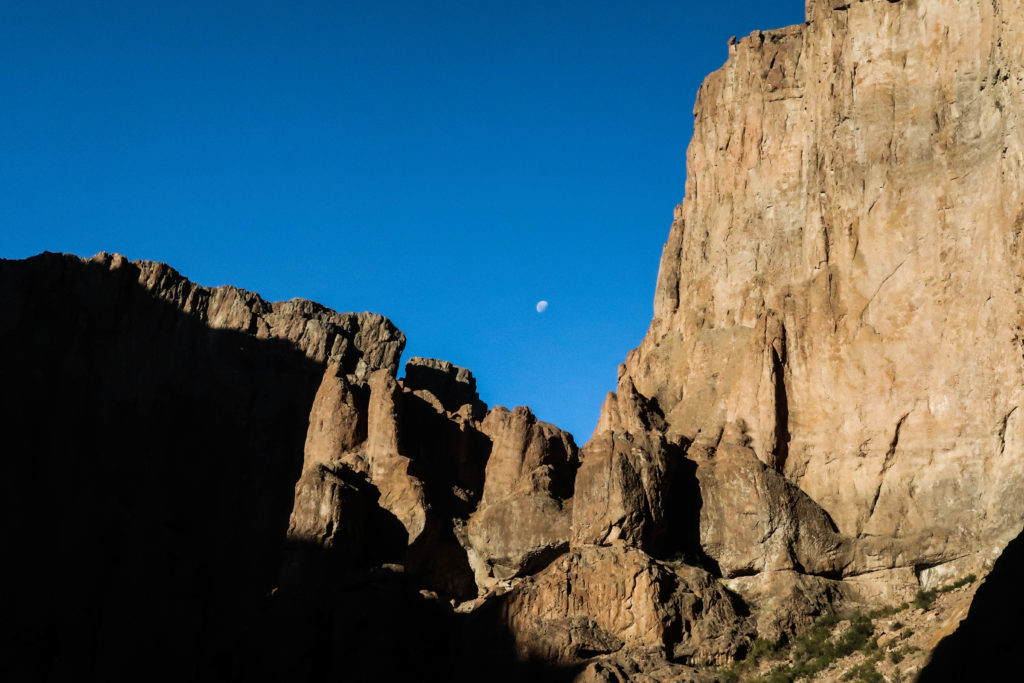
(542, 306)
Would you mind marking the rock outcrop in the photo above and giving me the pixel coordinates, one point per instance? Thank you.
(600, 600)
(825, 414)
(836, 339)
(482, 495)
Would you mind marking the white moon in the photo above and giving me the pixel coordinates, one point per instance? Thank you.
(542, 306)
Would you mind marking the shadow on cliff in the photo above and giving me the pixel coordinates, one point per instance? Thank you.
(376, 624)
(983, 646)
(147, 470)
(679, 536)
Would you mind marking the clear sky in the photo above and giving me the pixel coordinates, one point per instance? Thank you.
(447, 164)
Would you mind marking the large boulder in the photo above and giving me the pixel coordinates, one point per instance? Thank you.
(524, 517)
(615, 599)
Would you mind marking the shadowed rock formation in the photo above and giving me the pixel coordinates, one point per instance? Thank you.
(153, 431)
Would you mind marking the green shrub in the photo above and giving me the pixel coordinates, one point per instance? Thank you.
(884, 612)
(925, 599)
(828, 620)
(780, 674)
(762, 647)
(728, 676)
(970, 578)
(865, 672)
(857, 637)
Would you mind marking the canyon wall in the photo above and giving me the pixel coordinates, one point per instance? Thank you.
(840, 293)
(825, 415)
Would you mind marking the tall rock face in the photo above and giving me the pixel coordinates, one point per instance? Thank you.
(838, 306)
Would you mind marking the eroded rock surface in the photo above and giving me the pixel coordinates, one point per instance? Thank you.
(617, 600)
(842, 288)
(524, 517)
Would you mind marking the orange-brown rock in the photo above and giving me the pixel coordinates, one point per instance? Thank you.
(338, 419)
(620, 491)
(525, 514)
(842, 285)
(754, 520)
(605, 600)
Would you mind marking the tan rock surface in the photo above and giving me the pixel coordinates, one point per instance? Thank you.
(338, 419)
(525, 515)
(619, 488)
(601, 600)
(753, 520)
(402, 492)
(478, 493)
(843, 278)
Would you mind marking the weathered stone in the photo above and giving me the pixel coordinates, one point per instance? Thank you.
(453, 387)
(600, 600)
(402, 493)
(622, 489)
(524, 517)
(841, 285)
(337, 421)
(358, 342)
(328, 512)
(754, 520)
(788, 602)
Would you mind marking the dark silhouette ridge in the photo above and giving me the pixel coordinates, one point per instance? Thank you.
(979, 648)
(148, 465)
(450, 460)
(374, 624)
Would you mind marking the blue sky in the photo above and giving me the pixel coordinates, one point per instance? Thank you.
(447, 164)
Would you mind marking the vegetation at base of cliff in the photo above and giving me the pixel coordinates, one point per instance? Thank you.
(816, 649)
(925, 598)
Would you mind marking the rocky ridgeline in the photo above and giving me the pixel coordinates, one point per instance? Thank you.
(823, 417)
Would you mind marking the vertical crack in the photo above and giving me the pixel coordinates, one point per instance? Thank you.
(1002, 430)
(887, 463)
(782, 436)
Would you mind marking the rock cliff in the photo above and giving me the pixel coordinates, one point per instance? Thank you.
(825, 415)
(837, 331)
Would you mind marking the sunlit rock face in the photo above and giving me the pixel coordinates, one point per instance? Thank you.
(840, 292)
